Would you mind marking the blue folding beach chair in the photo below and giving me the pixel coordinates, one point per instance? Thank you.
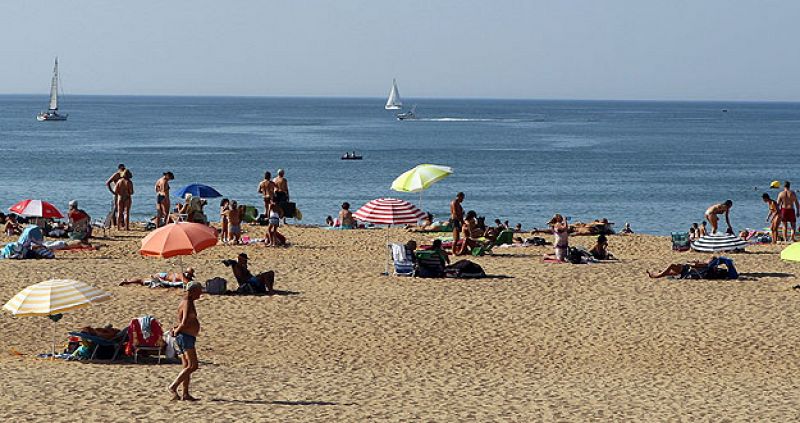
(116, 342)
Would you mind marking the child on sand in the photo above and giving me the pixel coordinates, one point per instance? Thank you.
(234, 214)
(275, 214)
(224, 205)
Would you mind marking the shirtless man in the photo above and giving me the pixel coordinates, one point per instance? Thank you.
(457, 216)
(787, 202)
(162, 198)
(717, 209)
(281, 190)
(267, 190)
(245, 277)
(123, 191)
(185, 334)
(110, 183)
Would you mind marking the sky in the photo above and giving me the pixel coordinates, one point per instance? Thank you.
(566, 49)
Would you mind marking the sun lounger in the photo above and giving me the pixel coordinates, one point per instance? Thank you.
(116, 342)
(429, 264)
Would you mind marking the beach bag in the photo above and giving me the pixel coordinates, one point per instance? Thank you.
(216, 286)
(464, 269)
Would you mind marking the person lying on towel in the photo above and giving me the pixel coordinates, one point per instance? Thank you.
(163, 280)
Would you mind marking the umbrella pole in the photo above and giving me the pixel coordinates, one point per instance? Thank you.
(53, 338)
(386, 247)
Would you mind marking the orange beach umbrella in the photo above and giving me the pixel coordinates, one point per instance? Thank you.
(178, 239)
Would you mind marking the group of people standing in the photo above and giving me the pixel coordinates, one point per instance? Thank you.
(782, 211)
(275, 194)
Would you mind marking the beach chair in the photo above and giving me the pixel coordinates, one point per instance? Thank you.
(680, 241)
(150, 342)
(505, 237)
(116, 342)
(484, 248)
(403, 264)
(428, 264)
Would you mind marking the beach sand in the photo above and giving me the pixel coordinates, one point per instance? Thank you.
(538, 342)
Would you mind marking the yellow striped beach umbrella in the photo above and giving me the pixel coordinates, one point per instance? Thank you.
(53, 297)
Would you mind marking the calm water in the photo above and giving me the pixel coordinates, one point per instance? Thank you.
(655, 164)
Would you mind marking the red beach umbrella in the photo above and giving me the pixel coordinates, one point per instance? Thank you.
(389, 211)
(36, 208)
(178, 239)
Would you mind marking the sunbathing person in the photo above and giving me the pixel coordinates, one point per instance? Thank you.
(600, 249)
(346, 220)
(163, 280)
(709, 269)
(263, 282)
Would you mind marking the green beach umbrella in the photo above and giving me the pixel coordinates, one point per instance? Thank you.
(791, 253)
(421, 178)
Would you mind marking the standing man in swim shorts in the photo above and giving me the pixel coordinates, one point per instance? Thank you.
(717, 209)
(457, 216)
(185, 334)
(162, 198)
(788, 206)
(110, 184)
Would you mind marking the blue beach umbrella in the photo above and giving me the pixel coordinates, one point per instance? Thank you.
(198, 190)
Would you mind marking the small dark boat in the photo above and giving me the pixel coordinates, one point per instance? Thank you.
(351, 156)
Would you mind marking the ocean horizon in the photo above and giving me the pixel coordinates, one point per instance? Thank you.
(655, 164)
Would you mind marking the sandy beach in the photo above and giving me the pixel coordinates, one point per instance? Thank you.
(534, 342)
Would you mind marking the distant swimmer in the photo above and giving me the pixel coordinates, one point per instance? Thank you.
(787, 202)
(717, 209)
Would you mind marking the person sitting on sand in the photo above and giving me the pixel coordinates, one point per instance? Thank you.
(560, 229)
(694, 232)
(716, 210)
(11, 227)
(703, 228)
(263, 282)
(470, 232)
(163, 279)
(600, 249)
(346, 220)
(627, 229)
(79, 223)
(436, 248)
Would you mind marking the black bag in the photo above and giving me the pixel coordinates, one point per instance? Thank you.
(288, 208)
(464, 269)
(575, 255)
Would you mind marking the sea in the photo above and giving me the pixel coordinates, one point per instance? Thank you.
(657, 165)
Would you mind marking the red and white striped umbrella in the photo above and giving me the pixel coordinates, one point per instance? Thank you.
(389, 211)
(36, 208)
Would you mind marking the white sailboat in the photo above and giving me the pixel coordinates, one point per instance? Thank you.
(394, 102)
(52, 112)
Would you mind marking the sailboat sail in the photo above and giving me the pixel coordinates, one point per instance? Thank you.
(394, 102)
(54, 88)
